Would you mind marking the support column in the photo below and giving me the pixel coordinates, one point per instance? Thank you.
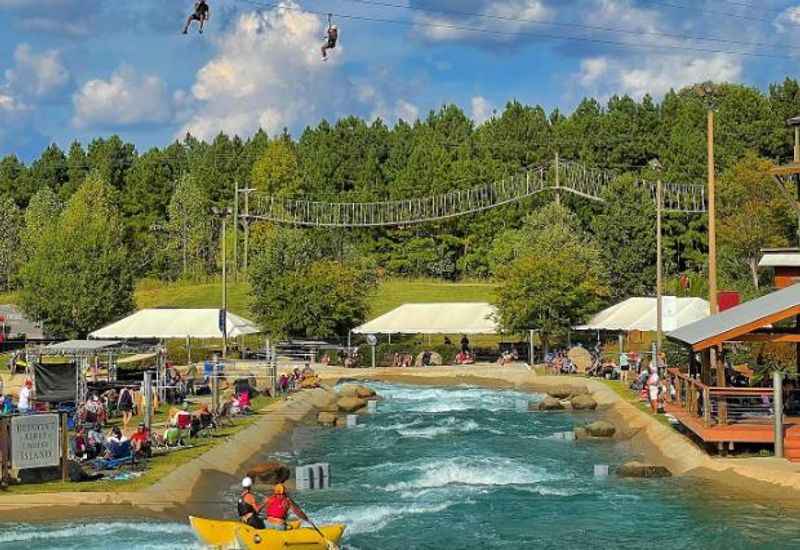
(148, 399)
(777, 389)
(530, 348)
(236, 231)
(215, 388)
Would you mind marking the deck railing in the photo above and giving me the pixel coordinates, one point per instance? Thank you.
(721, 405)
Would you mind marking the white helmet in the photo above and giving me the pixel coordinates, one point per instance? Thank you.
(333, 27)
(247, 483)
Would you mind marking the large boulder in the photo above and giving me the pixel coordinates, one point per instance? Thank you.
(356, 390)
(561, 392)
(600, 428)
(550, 404)
(270, 473)
(641, 470)
(350, 404)
(583, 403)
(326, 418)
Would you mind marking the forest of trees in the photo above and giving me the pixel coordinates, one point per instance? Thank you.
(153, 207)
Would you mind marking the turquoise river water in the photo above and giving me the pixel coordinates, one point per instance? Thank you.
(469, 468)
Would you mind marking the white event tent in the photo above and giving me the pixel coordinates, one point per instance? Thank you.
(165, 324)
(640, 314)
(442, 318)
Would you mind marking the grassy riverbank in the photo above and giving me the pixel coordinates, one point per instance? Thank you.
(153, 469)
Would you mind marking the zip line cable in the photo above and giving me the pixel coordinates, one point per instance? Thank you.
(573, 25)
(717, 13)
(658, 49)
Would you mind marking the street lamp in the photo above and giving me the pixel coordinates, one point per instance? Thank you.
(222, 214)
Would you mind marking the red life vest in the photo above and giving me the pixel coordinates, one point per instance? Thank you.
(277, 507)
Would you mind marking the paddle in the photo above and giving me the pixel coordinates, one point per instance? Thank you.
(302, 515)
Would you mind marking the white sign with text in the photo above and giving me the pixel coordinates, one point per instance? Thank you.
(35, 441)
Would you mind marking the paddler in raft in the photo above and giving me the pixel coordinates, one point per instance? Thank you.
(277, 508)
(247, 506)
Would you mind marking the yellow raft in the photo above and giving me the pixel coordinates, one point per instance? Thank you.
(218, 533)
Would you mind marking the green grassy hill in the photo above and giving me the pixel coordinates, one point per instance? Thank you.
(390, 294)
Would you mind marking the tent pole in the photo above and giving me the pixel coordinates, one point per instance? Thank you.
(530, 347)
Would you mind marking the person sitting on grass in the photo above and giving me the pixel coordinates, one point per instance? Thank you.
(172, 436)
(117, 446)
(80, 445)
(243, 401)
(95, 441)
(140, 441)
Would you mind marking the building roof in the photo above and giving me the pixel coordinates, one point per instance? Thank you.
(175, 323)
(740, 319)
(80, 346)
(640, 314)
(780, 257)
(443, 318)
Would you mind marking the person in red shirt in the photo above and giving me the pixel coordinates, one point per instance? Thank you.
(140, 441)
(277, 508)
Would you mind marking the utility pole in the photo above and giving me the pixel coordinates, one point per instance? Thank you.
(246, 228)
(712, 219)
(558, 180)
(236, 231)
(656, 165)
(222, 214)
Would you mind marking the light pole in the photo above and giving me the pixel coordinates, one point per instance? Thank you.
(708, 92)
(656, 166)
(222, 214)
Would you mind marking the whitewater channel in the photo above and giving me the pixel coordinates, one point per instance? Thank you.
(471, 468)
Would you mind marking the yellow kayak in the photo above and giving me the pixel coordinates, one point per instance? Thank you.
(219, 533)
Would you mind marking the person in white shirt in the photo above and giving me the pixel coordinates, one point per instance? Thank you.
(25, 397)
(653, 387)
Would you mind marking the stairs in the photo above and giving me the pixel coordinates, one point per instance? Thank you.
(791, 443)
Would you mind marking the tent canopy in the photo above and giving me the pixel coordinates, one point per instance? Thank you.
(175, 323)
(444, 318)
(640, 314)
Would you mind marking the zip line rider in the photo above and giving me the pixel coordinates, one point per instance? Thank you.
(202, 13)
(330, 39)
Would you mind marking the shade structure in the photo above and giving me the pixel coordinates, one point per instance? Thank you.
(641, 314)
(164, 324)
(443, 318)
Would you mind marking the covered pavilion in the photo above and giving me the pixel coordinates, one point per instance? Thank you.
(435, 318)
(706, 404)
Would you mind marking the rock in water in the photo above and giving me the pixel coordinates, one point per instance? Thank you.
(641, 470)
(326, 418)
(270, 473)
(351, 404)
(356, 390)
(341, 422)
(550, 404)
(583, 403)
(600, 428)
(561, 392)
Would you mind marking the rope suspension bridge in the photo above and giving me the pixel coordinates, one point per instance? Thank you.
(568, 177)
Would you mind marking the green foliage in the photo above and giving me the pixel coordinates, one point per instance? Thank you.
(41, 214)
(752, 214)
(276, 172)
(190, 229)
(325, 299)
(626, 229)
(78, 276)
(10, 229)
(557, 279)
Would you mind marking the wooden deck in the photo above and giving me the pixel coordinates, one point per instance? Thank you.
(756, 431)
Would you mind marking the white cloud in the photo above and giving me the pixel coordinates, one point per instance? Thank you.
(482, 109)
(655, 75)
(509, 15)
(36, 74)
(268, 73)
(9, 104)
(125, 99)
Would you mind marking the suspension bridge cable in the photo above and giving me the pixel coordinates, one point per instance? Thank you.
(573, 25)
(658, 49)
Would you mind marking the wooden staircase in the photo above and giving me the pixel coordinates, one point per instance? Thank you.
(791, 443)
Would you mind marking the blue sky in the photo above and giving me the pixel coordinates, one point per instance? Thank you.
(79, 69)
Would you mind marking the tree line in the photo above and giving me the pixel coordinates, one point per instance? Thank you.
(152, 208)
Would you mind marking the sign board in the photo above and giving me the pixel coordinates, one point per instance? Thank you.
(313, 477)
(352, 420)
(35, 441)
(372, 406)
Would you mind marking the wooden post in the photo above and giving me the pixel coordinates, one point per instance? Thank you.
(224, 290)
(530, 348)
(706, 406)
(64, 448)
(5, 450)
(712, 219)
(777, 403)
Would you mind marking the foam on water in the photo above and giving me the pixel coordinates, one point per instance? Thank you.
(21, 533)
(371, 518)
